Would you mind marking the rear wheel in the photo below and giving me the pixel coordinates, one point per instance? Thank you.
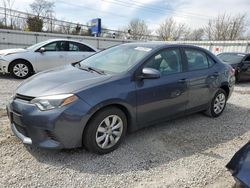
(20, 69)
(105, 131)
(218, 104)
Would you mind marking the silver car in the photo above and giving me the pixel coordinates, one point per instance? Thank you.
(21, 63)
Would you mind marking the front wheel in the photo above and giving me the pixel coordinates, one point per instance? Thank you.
(217, 104)
(105, 131)
(20, 69)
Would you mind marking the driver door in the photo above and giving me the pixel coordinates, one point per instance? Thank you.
(166, 96)
(55, 54)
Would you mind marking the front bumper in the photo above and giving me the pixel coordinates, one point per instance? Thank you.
(3, 66)
(54, 129)
(25, 140)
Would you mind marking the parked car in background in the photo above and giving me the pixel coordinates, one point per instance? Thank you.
(239, 166)
(240, 62)
(21, 63)
(127, 87)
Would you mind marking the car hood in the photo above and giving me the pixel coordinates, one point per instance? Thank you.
(12, 51)
(61, 80)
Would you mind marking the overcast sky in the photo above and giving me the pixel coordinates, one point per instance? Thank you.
(116, 14)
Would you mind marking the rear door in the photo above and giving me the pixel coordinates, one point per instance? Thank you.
(164, 97)
(201, 74)
(55, 55)
(78, 52)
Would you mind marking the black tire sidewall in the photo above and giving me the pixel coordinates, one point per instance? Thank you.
(20, 62)
(89, 136)
(213, 114)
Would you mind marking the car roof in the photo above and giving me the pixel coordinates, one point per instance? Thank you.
(160, 44)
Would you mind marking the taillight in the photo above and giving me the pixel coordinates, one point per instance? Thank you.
(232, 72)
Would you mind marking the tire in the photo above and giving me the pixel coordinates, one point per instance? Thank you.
(100, 133)
(216, 108)
(20, 69)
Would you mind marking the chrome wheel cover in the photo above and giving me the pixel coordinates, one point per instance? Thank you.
(109, 131)
(219, 103)
(20, 70)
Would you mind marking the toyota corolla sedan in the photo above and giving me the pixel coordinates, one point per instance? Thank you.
(21, 63)
(95, 102)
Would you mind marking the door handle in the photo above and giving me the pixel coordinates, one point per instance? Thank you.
(182, 80)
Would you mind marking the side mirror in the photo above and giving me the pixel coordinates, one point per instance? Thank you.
(149, 73)
(42, 50)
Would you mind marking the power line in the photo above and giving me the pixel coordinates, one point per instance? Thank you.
(164, 9)
(154, 10)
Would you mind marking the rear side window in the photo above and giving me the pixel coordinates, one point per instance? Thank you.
(211, 62)
(196, 59)
(77, 47)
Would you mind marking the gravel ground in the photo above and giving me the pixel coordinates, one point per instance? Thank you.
(188, 152)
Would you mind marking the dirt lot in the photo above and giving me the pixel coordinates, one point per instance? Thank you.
(188, 152)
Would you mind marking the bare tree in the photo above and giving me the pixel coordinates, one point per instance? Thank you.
(171, 30)
(196, 34)
(42, 8)
(226, 27)
(138, 29)
(8, 5)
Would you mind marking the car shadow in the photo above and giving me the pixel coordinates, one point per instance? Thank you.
(157, 145)
(7, 77)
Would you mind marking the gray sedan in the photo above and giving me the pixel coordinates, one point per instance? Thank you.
(95, 102)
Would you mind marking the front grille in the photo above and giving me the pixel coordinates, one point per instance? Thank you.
(22, 130)
(23, 97)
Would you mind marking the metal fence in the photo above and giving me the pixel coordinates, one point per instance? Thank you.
(17, 20)
(20, 39)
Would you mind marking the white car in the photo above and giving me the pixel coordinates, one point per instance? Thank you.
(21, 63)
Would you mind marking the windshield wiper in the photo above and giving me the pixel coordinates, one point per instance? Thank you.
(96, 70)
(91, 69)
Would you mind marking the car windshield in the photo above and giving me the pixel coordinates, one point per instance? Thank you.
(35, 46)
(116, 59)
(231, 58)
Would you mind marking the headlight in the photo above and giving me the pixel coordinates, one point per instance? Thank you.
(54, 101)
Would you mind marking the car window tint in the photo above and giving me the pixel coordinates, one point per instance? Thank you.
(211, 62)
(196, 59)
(247, 58)
(57, 46)
(167, 61)
(73, 46)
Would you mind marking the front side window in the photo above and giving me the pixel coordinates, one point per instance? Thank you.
(57, 46)
(196, 59)
(167, 61)
(247, 58)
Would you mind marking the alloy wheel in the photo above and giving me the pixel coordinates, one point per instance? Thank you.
(219, 103)
(20, 70)
(109, 131)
